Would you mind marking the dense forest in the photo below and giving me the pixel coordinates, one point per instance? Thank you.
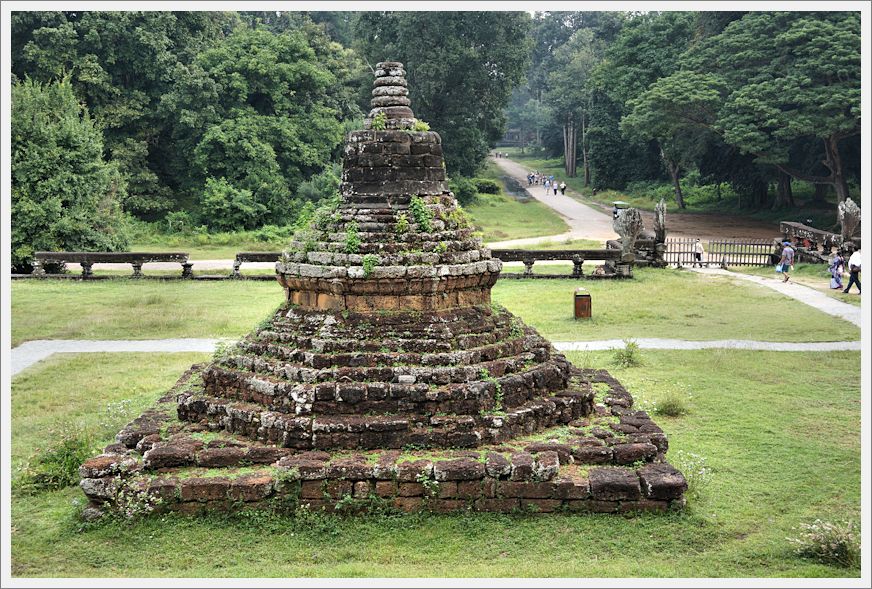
(232, 121)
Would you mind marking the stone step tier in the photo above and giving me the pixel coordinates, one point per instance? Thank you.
(364, 432)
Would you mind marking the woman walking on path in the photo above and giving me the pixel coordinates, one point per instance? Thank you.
(837, 268)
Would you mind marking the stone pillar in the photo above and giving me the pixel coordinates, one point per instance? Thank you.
(38, 270)
(86, 269)
(137, 269)
(577, 270)
(528, 266)
(186, 270)
(235, 274)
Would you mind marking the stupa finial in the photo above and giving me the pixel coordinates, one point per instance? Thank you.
(390, 97)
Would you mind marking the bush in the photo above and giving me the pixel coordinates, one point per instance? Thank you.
(64, 195)
(179, 222)
(463, 188)
(322, 186)
(629, 355)
(835, 543)
(57, 466)
(487, 186)
(227, 208)
(695, 469)
(671, 404)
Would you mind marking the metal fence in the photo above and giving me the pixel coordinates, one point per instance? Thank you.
(720, 252)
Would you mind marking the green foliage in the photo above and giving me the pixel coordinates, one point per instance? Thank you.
(64, 195)
(57, 465)
(352, 238)
(463, 188)
(829, 542)
(379, 121)
(628, 356)
(323, 186)
(421, 213)
(370, 261)
(485, 375)
(225, 207)
(401, 227)
(487, 186)
(440, 248)
(671, 404)
(420, 126)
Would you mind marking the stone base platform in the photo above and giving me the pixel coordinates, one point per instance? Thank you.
(610, 461)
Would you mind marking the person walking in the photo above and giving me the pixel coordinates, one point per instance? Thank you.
(554, 187)
(563, 188)
(698, 251)
(837, 268)
(854, 263)
(786, 263)
(547, 186)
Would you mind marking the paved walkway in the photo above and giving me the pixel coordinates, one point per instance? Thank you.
(804, 294)
(29, 353)
(584, 222)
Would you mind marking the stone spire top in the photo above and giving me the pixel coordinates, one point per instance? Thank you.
(390, 95)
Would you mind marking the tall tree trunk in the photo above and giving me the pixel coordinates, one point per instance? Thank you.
(820, 193)
(569, 146)
(834, 162)
(674, 172)
(784, 194)
(584, 151)
(718, 191)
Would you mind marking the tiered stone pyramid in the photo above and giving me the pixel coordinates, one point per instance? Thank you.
(388, 346)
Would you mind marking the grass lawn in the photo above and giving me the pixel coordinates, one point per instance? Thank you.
(782, 445)
(656, 303)
(210, 252)
(814, 275)
(500, 217)
(566, 244)
(667, 303)
(146, 309)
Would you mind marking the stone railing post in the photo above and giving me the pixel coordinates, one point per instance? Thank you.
(87, 272)
(137, 269)
(528, 266)
(577, 261)
(187, 271)
(236, 264)
(38, 270)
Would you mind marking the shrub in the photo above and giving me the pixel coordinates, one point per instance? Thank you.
(322, 186)
(179, 222)
(486, 186)
(671, 404)
(463, 188)
(370, 261)
(402, 225)
(421, 126)
(228, 208)
(57, 466)
(828, 542)
(628, 356)
(379, 121)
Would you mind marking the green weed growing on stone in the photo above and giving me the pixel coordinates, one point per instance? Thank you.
(402, 225)
(421, 126)
(441, 247)
(485, 375)
(379, 122)
(421, 213)
(370, 261)
(132, 502)
(352, 238)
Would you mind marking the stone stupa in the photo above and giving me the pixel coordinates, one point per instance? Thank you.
(388, 373)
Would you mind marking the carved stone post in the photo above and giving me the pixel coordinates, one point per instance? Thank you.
(186, 269)
(849, 218)
(38, 270)
(137, 269)
(86, 269)
(236, 265)
(577, 262)
(528, 266)
(628, 225)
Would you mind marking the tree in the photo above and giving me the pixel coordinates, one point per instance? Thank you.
(64, 195)
(788, 77)
(256, 110)
(461, 68)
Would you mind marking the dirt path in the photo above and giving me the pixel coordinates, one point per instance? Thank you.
(584, 221)
(702, 225)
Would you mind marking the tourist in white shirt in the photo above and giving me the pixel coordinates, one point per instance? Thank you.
(854, 268)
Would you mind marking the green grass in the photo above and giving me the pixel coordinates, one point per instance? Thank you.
(783, 446)
(146, 309)
(656, 303)
(566, 244)
(209, 252)
(814, 275)
(667, 303)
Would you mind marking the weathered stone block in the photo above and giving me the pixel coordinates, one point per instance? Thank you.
(540, 505)
(408, 503)
(204, 489)
(500, 505)
(218, 457)
(386, 489)
(564, 451)
(630, 453)
(461, 469)
(527, 490)
(107, 464)
(546, 466)
(252, 487)
(614, 484)
(312, 490)
(522, 466)
(168, 456)
(497, 465)
(362, 489)
(592, 454)
(662, 481)
(100, 490)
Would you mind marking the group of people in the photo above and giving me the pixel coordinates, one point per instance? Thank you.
(837, 267)
(548, 182)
